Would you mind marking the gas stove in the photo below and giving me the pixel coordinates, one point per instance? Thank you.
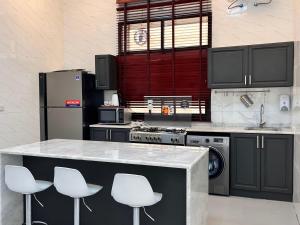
(158, 135)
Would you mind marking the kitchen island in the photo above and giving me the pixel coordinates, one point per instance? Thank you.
(179, 173)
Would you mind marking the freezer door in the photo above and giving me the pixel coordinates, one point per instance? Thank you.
(62, 86)
(65, 123)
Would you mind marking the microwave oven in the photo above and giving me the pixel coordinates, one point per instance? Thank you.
(114, 115)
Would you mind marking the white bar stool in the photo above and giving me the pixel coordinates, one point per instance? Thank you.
(136, 192)
(19, 179)
(70, 182)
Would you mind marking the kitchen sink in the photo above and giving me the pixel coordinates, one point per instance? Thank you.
(264, 128)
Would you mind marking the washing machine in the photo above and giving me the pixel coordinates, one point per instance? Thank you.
(218, 167)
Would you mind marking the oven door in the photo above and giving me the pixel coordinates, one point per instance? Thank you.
(107, 115)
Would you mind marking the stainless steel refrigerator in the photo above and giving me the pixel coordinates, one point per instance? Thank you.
(68, 104)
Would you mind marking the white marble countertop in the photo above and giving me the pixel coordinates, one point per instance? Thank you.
(125, 126)
(210, 127)
(113, 152)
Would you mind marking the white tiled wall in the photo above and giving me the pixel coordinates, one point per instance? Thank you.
(227, 109)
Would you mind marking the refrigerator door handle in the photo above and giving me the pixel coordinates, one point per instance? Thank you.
(110, 135)
(107, 134)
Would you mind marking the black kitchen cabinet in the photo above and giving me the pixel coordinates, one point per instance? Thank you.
(245, 162)
(262, 166)
(266, 65)
(106, 72)
(110, 134)
(99, 134)
(271, 65)
(227, 67)
(119, 135)
(277, 163)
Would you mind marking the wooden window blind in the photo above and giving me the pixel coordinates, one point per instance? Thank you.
(162, 48)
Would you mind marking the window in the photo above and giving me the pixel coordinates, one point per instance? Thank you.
(187, 34)
(163, 50)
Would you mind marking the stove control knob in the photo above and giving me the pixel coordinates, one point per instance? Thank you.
(154, 139)
(172, 140)
(159, 139)
(206, 140)
(151, 138)
(147, 138)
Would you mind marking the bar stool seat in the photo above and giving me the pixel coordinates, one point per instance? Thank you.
(136, 192)
(70, 182)
(20, 180)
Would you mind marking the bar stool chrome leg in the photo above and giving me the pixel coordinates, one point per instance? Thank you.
(76, 211)
(136, 216)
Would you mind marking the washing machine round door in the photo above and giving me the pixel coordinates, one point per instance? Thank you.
(216, 163)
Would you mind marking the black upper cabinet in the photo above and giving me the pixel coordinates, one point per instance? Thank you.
(106, 72)
(271, 65)
(228, 67)
(267, 65)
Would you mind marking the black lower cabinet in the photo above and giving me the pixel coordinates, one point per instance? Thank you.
(245, 163)
(110, 134)
(261, 166)
(99, 134)
(277, 164)
(119, 135)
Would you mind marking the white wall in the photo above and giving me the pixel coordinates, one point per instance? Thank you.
(262, 24)
(89, 29)
(30, 42)
(296, 116)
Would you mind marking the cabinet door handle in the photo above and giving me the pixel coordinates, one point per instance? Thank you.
(250, 79)
(245, 80)
(262, 142)
(257, 142)
(110, 135)
(106, 134)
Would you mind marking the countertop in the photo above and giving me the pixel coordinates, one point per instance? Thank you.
(125, 126)
(210, 127)
(113, 152)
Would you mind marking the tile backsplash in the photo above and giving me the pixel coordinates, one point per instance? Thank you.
(227, 108)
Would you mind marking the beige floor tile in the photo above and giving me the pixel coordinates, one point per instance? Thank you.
(246, 211)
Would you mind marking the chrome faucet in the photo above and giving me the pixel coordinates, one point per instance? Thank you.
(262, 111)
